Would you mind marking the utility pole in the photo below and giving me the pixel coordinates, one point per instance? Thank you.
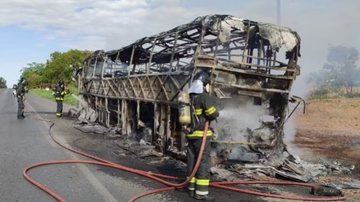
(278, 12)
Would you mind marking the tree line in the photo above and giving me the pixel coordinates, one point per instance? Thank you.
(339, 75)
(59, 66)
(2, 83)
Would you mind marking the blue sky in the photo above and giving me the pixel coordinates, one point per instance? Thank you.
(31, 30)
(19, 47)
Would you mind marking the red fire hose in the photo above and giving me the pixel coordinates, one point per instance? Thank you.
(157, 177)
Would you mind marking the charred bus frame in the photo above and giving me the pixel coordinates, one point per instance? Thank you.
(137, 86)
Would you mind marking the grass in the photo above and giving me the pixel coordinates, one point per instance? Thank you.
(69, 99)
(333, 93)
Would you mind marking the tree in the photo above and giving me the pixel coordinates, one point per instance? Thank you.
(33, 73)
(341, 69)
(58, 66)
(2, 83)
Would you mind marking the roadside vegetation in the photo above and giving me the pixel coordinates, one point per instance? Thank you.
(340, 75)
(2, 83)
(60, 66)
(42, 78)
(48, 94)
(325, 92)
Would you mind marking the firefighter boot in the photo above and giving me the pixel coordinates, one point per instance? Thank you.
(204, 197)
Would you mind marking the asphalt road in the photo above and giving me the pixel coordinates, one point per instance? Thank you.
(25, 142)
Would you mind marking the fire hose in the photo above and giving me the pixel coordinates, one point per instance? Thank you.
(158, 177)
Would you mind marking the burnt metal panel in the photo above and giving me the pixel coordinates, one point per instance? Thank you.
(243, 57)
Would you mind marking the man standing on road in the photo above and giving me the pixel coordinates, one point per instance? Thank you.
(59, 94)
(20, 94)
(204, 110)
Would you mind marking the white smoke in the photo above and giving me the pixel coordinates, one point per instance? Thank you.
(237, 118)
(290, 130)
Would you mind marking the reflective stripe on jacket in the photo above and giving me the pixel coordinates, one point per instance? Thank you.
(203, 110)
(59, 98)
(59, 93)
(199, 134)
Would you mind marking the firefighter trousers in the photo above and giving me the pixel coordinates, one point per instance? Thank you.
(200, 183)
(21, 106)
(59, 108)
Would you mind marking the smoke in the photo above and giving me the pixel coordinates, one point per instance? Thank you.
(243, 121)
(238, 117)
(289, 131)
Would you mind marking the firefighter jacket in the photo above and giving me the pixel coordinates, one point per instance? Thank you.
(21, 90)
(203, 109)
(59, 93)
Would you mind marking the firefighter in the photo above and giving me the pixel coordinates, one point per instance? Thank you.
(20, 94)
(203, 109)
(59, 94)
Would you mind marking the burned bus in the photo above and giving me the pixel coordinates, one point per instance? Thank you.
(253, 65)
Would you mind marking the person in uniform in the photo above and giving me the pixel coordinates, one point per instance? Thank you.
(59, 94)
(203, 110)
(20, 95)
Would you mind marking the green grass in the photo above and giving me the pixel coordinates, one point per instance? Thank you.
(69, 99)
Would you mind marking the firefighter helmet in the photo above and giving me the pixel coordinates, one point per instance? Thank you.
(203, 76)
(201, 79)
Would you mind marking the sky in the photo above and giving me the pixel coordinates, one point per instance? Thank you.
(31, 30)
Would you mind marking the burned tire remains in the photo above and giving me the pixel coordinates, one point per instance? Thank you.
(136, 88)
